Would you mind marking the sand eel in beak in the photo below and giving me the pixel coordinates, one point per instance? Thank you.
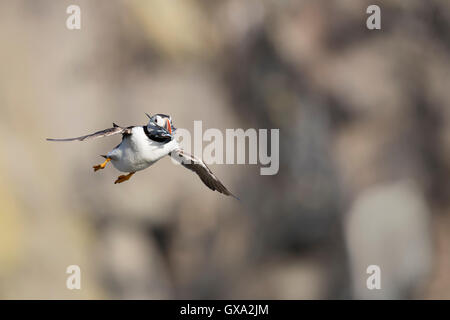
(142, 146)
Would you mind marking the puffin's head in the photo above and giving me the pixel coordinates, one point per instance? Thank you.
(163, 121)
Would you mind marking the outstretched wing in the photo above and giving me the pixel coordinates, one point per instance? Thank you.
(201, 169)
(99, 134)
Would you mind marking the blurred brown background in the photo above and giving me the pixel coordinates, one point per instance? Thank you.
(364, 120)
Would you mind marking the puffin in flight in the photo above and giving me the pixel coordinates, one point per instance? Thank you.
(142, 146)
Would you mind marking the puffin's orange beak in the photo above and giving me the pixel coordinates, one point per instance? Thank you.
(168, 126)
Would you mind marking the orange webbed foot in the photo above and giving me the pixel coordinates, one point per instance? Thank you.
(101, 166)
(123, 178)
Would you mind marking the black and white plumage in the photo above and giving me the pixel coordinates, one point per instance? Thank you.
(142, 146)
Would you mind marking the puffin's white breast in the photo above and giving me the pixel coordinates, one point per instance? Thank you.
(137, 151)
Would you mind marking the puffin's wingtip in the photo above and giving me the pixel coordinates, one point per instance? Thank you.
(232, 195)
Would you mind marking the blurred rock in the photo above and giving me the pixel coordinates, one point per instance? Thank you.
(388, 226)
(133, 267)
